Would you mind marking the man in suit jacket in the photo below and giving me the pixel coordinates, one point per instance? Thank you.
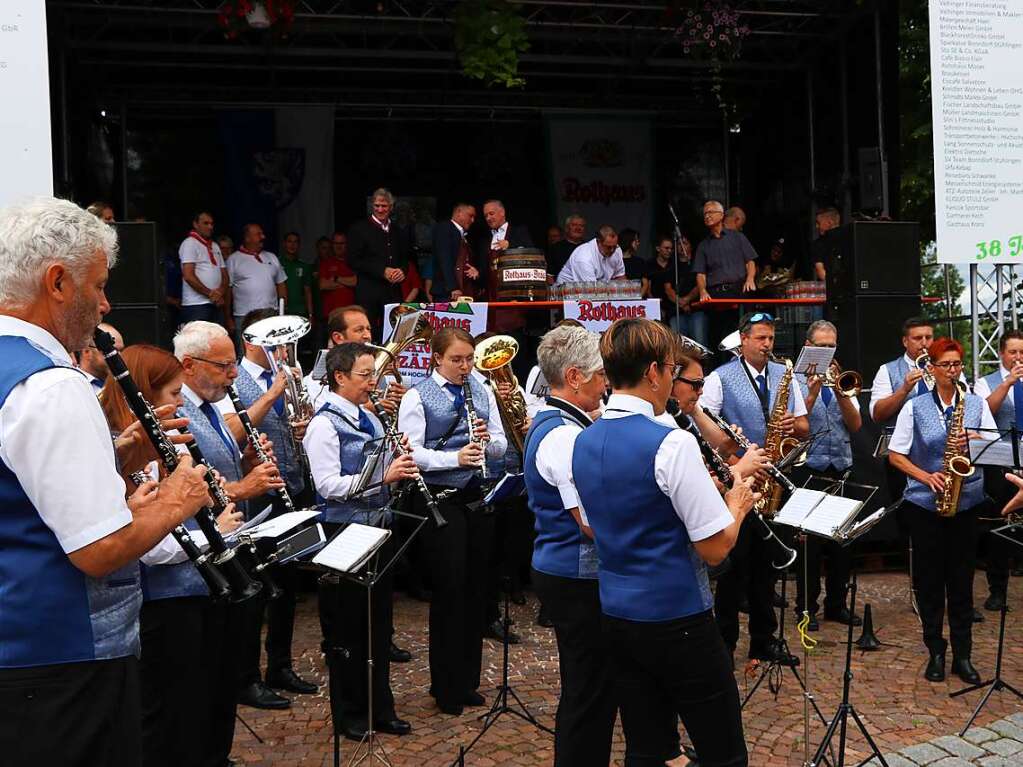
(502, 236)
(454, 274)
(379, 251)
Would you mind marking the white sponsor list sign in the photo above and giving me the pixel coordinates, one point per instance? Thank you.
(977, 101)
(26, 155)
(414, 362)
(599, 314)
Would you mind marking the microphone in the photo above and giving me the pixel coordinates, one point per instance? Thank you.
(677, 229)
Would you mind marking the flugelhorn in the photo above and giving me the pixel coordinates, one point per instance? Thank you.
(493, 358)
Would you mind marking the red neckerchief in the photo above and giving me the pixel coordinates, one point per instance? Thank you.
(254, 253)
(385, 226)
(208, 243)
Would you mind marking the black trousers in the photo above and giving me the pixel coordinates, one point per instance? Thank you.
(343, 617)
(588, 704)
(71, 714)
(839, 560)
(172, 632)
(752, 550)
(279, 615)
(996, 550)
(218, 679)
(457, 556)
(685, 664)
(944, 549)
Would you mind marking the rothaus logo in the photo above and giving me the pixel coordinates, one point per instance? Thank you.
(608, 311)
(524, 275)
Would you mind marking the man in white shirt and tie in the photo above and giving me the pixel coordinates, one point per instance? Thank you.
(599, 260)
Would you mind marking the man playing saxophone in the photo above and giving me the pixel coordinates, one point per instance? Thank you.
(943, 494)
(744, 392)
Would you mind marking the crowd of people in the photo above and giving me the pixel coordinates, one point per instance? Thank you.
(641, 553)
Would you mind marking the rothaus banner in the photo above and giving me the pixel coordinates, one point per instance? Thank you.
(414, 362)
(602, 167)
(597, 315)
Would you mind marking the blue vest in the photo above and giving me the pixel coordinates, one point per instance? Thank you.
(355, 446)
(170, 581)
(276, 429)
(440, 414)
(741, 405)
(648, 568)
(50, 611)
(1005, 418)
(560, 547)
(831, 446)
(929, 438)
(897, 372)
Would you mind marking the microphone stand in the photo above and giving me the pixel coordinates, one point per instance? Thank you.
(676, 244)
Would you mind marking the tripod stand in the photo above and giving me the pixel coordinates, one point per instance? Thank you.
(996, 683)
(501, 701)
(840, 722)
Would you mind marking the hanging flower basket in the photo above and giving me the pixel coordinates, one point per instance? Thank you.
(237, 17)
(713, 30)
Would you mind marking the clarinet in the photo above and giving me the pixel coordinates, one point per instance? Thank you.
(470, 415)
(745, 444)
(257, 446)
(216, 583)
(391, 432)
(229, 567)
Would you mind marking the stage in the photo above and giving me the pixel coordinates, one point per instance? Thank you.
(901, 709)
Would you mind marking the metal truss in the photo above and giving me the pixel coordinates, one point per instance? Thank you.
(995, 299)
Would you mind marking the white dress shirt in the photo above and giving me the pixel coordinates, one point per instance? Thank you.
(981, 389)
(680, 473)
(323, 446)
(713, 396)
(496, 235)
(588, 264)
(317, 391)
(192, 251)
(167, 551)
(254, 282)
(55, 439)
(412, 422)
(882, 386)
(554, 456)
(902, 438)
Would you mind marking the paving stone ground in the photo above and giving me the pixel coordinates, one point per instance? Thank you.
(913, 721)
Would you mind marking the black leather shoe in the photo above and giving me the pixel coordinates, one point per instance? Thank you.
(394, 726)
(977, 617)
(353, 729)
(543, 620)
(517, 597)
(451, 709)
(287, 679)
(843, 616)
(994, 602)
(258, 695)
(474, 699)
(963, 669)
(399, 655)
(774, 654)
(495, 630)
(935, 671)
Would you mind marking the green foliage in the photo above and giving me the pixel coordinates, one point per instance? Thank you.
(489, 36)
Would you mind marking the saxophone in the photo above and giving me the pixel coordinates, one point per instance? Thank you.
(955, 465)
(776, 445)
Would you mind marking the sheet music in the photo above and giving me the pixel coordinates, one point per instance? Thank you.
(278, 526)
(995, 453)
(250, 524)
(815, 360)
(540, 387)
(351, 548)
(830, 515)
(320, 366)
(798, 507)
(865, 524)
(371, 476)
(510, 486)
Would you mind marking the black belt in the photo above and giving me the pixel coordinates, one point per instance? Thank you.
(724, 286)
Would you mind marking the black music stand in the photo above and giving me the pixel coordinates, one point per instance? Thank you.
(1014, 534)
(369, 749)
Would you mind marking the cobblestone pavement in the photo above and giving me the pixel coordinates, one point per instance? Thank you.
(912, 720)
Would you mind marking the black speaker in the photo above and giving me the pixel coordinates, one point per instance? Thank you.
(871, 189)
(137, 278)
(139, 324)
(870, 330)
(875, 258)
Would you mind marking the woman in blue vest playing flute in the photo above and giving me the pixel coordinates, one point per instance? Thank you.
(434, 416)
(658, 520)
(945, 543)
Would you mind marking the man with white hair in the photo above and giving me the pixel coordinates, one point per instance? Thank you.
(91, 360)
(209, 366)
(69, 570)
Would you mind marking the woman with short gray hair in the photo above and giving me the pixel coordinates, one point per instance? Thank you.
(564, 557)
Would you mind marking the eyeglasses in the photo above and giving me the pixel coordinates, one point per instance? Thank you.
(948, 365)
(696, 383)
(369, 374)
(225, 367)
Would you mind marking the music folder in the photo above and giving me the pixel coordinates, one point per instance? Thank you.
(824, 515)
(997, 447)
(350, 549)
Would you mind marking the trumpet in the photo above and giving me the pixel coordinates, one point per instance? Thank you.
(923, 363)
(845, 383)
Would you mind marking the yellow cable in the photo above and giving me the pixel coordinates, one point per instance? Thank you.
(808, 642)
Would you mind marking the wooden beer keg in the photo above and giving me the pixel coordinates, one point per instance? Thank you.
(522, 275)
